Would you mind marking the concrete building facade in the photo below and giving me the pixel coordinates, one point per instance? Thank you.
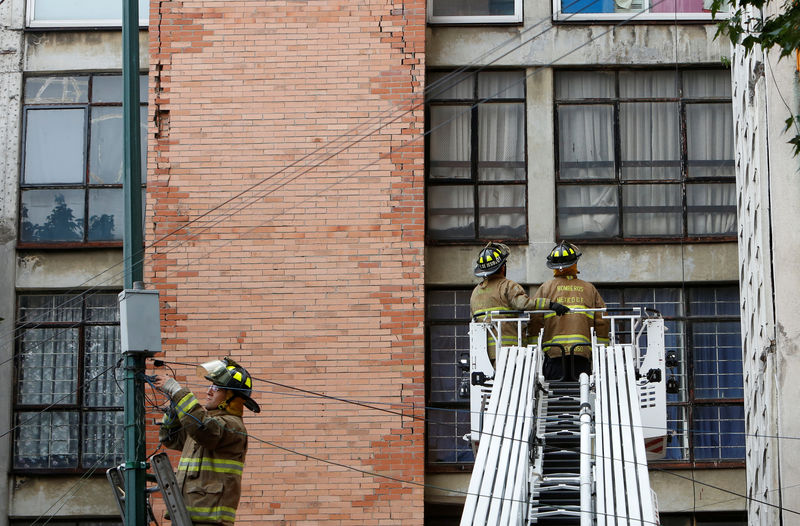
(320, 177)
(765, 95)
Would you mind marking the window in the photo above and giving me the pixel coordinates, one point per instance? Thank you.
(71, 189)
(638, 10)
(55, 522)
(68, 402)
(706, 416)
(474, 11)
(448, 417)
(81, 13)
(475, 170)
(645, 154)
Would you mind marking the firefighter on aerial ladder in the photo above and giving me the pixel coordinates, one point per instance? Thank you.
(212, 439)
(498, 293)
(573, 330)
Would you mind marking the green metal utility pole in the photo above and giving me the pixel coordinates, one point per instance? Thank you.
(133, 246)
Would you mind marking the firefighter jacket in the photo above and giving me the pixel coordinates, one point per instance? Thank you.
(496, 293)
(574, 327)
(213, 445)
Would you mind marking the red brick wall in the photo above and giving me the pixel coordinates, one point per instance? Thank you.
(288, 134)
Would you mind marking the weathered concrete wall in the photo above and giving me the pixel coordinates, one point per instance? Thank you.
(68, 496)
(540, 42)
(38, 270)
(11, 44)
(41, 52)
(601, 264)
(95, 51)
(765, 92)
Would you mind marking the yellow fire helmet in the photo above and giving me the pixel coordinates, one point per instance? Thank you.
(228, 374)
(491, 258)
(563, 255)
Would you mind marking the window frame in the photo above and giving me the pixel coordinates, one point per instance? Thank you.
(86, 186)
(457, 405)
(32, 22)
(633, 15)
(618, 163)
(516, 18)
(473, 105)
(691, 402)
(688, 354)
(79, 406)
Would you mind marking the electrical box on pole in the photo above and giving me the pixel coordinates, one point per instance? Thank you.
(140, 322)
(133, 257)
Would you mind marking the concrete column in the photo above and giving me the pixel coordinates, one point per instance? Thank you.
(12, 13)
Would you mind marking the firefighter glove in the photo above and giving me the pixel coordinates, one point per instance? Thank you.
(558, 308)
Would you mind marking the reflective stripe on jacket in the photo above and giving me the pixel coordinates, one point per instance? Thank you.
(496, 293)
(213, 445)
(573, 328)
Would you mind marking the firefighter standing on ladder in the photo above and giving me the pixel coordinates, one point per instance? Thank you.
(212, 439)
(575, 329)
(497, 293)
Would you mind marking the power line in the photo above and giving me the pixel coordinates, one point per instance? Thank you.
(355, 141)
(453, 75)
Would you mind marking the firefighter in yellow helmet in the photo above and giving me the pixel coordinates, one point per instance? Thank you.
(212, 439)
(573, 330)
(498, 293)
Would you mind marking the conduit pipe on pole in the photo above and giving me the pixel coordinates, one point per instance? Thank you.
(587, 508)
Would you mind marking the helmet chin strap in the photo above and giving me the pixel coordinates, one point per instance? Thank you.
(226, 405)
(227, 401)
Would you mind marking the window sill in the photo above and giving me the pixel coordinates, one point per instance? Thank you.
(652, 240)
(660, 465)
(69, 245)
(635, 18)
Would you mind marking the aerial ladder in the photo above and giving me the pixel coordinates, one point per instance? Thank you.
(563, 452)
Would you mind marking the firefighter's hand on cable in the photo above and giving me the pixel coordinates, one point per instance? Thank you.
(166, 384)
(558, 308)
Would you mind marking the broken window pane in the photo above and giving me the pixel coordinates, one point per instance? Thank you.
(56, 90)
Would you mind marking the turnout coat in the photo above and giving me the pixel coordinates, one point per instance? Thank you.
(571, 329)
(213, 445)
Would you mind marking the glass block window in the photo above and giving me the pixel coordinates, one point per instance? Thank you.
(72, 169)
(645, 155)
(81, 13)
(68, 395)
(706, 416)
(476, 177)
(448, 414)
(474, 11)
